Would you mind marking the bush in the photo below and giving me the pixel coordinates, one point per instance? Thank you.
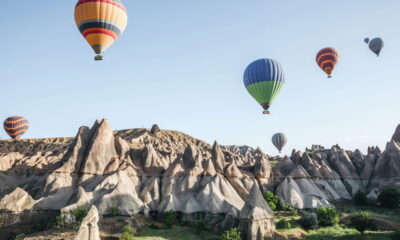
(20, 237)
(272, 200)
(128, 233)
(199, 226)
(360, 198)
(389, 197)
(60, 222)
(79, 214)
(114, 212)
(169, 219)
(327, 216)
(308, 220)
(282, 224)
(395, 235)
(362, 221)
(231, 234)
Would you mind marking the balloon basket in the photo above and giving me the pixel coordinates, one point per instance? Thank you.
(266, 112)
(98, 58)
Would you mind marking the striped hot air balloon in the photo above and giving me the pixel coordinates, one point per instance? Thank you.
(264, 79)
(279, 140)
(101, 22)
(327, 58)
(16, 126)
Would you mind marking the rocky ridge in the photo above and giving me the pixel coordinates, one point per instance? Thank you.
(152, 171)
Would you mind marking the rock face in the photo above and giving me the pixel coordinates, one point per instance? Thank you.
(17, 201)
(256, 218)
(89, 230)
(142, 171)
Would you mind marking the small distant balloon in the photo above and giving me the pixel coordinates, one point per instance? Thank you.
(279, 140)
(327, 58)
(16, 126)
(264, 79)
(366, 40)
(376, 45)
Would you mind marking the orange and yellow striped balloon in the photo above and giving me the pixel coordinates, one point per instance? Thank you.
(101, 22)
(327, 58)
(16, 126)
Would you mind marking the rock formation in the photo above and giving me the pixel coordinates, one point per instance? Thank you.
(89, 230)
(142, 171)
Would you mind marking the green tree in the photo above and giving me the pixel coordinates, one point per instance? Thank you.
(169, 218)
(389, 197)
(60, 222)
(272, 200)
(114, 212)
(79, 214)
(327, 216)
(282, 224)
(360, 198)
(362, 221)
(231, 234)
(308, 220)
(128, 233)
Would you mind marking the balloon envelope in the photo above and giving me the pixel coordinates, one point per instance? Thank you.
(264, 79)
(16, 126)
(279, 140)
(327, 59)
(101, 22)
(376, 45)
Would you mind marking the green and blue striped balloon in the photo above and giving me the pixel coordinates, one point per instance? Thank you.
(264, 79)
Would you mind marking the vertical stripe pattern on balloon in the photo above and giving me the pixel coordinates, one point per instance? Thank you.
(279, 140)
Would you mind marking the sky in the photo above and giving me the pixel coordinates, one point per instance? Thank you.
(180, 64)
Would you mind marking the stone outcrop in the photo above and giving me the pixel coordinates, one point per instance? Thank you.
(89, 229)
(17, 201)
(142, 171)
(256, 217)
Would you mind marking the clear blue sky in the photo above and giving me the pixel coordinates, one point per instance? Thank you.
(180, 64)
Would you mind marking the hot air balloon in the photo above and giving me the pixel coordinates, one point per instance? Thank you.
(327, 59)
(375, 45)
(264, 78)
(101, 22)
(279, 140)
(16, 126)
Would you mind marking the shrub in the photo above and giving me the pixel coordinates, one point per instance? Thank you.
(308, 220)
(282, 224)
(327, 216)
(114, 212)
(389, 197)
(272, 200)
(199, 226)
(395, 235)
(128, 233)
(20, 237)
(169, 219)
(60, 222)
(362, 221)
(231, 234)
(360, 198)
(79, 214)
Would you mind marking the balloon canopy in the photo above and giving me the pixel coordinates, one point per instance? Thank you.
(327, 58)
(101, 22)
(16, 126)
(279, 140)
(264, 79)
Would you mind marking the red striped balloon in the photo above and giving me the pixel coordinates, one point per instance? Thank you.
(327, 58)
(16, 126)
